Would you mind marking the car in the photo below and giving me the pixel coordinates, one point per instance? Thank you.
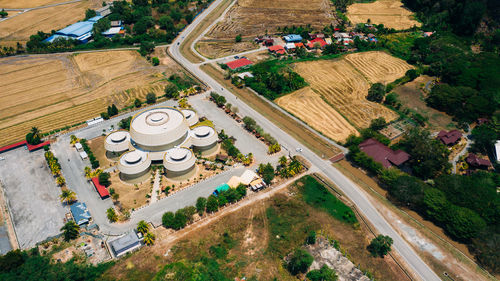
(2, 158)
(236, 57)
(298, 149)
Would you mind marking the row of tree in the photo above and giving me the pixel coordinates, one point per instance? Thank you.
(93, 160)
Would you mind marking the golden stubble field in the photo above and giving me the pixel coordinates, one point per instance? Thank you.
(254, 17)
(342, 85)
(53, 91)
(22, 26)
(390, 13)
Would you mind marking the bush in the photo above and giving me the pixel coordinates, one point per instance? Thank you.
(311, 238)
(377, 124)
(411, 74)
(150, 98)
(376, 92)
(323, 274)
(137, 103)
(237, 39)
(201, 204)
(212, 204)
(155, 61)
(104, 179)
(299, 262)
(168, 219)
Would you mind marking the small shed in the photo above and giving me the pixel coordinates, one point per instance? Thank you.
(248, 176)
(125, 244)
(101, 189)
(80, 213)
(292, 38)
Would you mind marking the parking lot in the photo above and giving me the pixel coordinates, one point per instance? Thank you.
(32, 196)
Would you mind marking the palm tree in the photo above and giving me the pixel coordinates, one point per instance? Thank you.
(149, 238)
(73, 139)
(112, 216)
(71, 230)
(88, 172)
(60, 180)
(143, 227)
(35, 131)
(67, 196)
(283, 160)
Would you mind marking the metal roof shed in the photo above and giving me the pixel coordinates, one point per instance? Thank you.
(125, 244)
(80, 213)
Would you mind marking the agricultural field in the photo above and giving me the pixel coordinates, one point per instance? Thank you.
(55, 91)
(325, 119)
(343, 84)
(254, 17)
(219, 49)
(22, 26)
(390, 13)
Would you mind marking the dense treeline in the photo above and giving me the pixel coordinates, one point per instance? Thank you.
(93, 160)
(23, 265)
(460, 16)
(140, 19)
(271, 81)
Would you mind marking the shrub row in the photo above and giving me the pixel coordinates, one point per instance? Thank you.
(93, 161)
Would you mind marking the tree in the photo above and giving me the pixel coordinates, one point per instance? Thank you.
(73, 140)
(146, 47)
(112, 216)
(104, 179)
(137, 103)
(201, 204)
(212, 204)
(143, 227)
(168, 219)
(486, 247)
(484, 137)
(33, 137)
(376, 92)
(88, 172)
(429, 157)
(171, 91)
(149, 238)
(250, 124)
(411, 74)
(89, 13)
(180, 220)
(150, 98)
(70, 230)
(283, 161)
(377, 124)
(125, 123)
(323, 274)
(299, 262)
(237, 39)
(67, 196)
(267, 172)
(155, 61)
(407, 190)
(60, 181)
(391, 99)
(3, 14)
(463, 223)
(311, 237)
(380, 246)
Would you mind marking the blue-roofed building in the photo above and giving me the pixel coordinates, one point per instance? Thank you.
(125, 244)
(80, 213)
(292, 38)
(81, 31)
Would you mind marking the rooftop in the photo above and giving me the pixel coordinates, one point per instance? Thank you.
(235, 64)
(450, 137)
(80, 213)
(101, 189)
(383, 154)
(125, 243)
(293, 38)
(475, 161)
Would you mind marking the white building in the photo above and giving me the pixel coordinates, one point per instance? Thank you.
(497, 150)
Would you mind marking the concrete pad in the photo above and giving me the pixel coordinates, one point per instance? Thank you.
(32, 196)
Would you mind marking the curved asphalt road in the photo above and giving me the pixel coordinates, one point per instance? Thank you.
(364, 205)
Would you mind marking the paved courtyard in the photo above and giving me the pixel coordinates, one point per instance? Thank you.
(32, 196)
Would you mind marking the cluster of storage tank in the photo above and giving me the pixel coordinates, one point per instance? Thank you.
(161, 134)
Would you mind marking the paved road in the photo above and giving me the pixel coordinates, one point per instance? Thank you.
(354, 192)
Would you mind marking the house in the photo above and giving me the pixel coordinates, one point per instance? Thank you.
(449, 138)
(243, 75)
(239, 63)
(268, 42)
(290, 46)
(383, 154)
(476, 162)
(125, 244)
(116, 23)
(80, 213)
(111, 32)
(481, 121)
(292, 38)
(315, 42)
(80, 31)
(104, 11)
(101, 189)
(299, 45)
(328, 41)
(248, 176)
(257, 184)
(277, 49)
(317, 35)
(428, 33)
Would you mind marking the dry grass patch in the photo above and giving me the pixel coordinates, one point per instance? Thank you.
(130, 195)
(10, 4)
(21, 27)
(390, 13)
(219, 49)
(53, 91)
(344, 83)
(312, 109)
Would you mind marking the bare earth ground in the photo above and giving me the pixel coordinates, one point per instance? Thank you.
(247, 224)
(10, 4)
(412, 96)
(19, 28)
(130, 195)
(218, 49)
(428, 239)
(54, 91)
(324, 118)
(344, 83)
(254, 17)
(390, 13)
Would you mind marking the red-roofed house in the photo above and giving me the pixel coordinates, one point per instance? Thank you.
(299, 45)
(239, 63)
(315, 41)
(477, 162)
(276, 48)
(101, 189)
(280, 52)
(383, 154)
(449, 138)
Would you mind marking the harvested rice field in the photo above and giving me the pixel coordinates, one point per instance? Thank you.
(342, 85)
(22, 26)
(390, 13)
(54, 91)
(324, 118)
(256, 17)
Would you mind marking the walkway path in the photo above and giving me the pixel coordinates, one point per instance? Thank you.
(156, 188)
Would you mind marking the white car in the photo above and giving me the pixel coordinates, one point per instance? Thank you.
(298, 149)
(2, 158)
